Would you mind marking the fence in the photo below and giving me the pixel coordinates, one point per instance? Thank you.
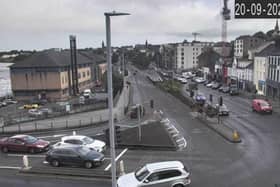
(73, 121)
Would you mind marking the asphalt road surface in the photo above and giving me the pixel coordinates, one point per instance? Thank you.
(212, 160)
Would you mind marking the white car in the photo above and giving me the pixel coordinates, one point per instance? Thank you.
(170, 173)
(183, 80)
(35, 112)
(199, 80)
(210, 84)
(80, 140)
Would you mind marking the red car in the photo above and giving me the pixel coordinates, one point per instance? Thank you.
(260, 105)
(23, 143)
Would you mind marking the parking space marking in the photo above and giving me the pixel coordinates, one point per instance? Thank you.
(21, 155)
(10, 167)
(116, 159)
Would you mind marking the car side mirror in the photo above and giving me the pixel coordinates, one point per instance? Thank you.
(146, 181)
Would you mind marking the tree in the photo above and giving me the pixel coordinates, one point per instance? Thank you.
(208, 59)
(117, 82)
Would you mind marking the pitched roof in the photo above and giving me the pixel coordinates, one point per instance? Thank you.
(50, 58)
(270, 50)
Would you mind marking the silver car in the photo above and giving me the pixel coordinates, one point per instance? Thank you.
(160, 174)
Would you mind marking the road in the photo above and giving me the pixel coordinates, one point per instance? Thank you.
(212, 160)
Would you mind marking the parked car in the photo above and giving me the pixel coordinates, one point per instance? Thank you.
(80, 140)
(262, 106)
(35, 113)
(199, 80)
(183, 80)
(233, 90)
(87, 93)
(23, 143)
(46, 111)
(30, 106)
(207, 82)
(74, 156)
(223, 110)
(216, 86)
(221, 88)
(10, 101)
(3, 104)
(170, 173)
(226, 89)
(210, 84)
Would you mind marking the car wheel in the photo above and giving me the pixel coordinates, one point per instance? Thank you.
(178, 185)
(5, 149)
(31, 150)
(88, 164)
(55, 163)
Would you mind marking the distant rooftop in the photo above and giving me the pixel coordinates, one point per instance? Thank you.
(50, 58)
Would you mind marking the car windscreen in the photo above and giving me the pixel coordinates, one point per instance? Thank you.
(264, 104)
(141, 173)
(30, 139)
(88, 140)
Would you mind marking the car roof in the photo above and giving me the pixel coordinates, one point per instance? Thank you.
(260, 100)
(164, 165)
(76, 137)
(19, 136)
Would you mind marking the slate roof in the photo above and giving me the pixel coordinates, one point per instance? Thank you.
(50, 58)
(270, 50)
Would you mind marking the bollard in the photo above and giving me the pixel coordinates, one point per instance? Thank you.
(74, 133)
(66, 122)
(121, 168)
(25, 162)
(35, 126)
(235, 136)
(18, 127)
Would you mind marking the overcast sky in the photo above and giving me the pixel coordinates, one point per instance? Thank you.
(41, 24)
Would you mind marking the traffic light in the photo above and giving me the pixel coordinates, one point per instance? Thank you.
(152, 103)
(117, 134)
(221, 101)
(211, 98)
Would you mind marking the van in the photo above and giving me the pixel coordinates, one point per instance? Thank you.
(87, 93)
(262, 106)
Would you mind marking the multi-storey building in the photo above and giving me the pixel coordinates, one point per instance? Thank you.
(47, 75)
(244, 43)
(187, 54)
(167, 56)
(273, 77)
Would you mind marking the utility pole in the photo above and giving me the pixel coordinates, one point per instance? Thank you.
(110, 94)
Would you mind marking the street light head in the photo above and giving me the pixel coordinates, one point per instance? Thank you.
(114, 13)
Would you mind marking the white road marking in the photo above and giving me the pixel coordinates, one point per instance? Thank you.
(116, 159)
(21, 155)
(10, 167)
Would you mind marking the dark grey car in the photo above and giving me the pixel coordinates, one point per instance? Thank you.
(74, 156)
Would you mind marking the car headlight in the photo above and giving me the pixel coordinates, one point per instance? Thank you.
(40, 146)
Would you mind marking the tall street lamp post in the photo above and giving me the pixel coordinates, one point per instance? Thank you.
(110, 93)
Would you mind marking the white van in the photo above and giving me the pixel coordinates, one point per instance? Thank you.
(87, 93)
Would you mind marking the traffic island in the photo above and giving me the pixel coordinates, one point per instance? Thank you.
(222, 129)
(151, 136)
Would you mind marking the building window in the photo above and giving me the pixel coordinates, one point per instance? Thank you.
(84, 74)
(87, 73)
(79, 75)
